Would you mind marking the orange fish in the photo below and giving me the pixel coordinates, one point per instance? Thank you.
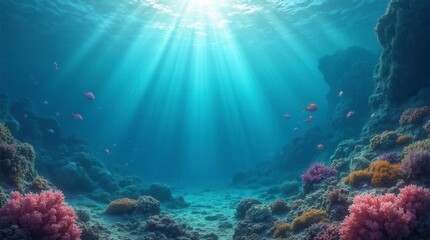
(312, 107)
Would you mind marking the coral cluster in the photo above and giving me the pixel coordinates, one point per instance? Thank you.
(414, 115)
(121, 206)
(244, 205)
(43, 216)
(147, 205)
(384, 173)
(308, 218)
(279, 207)
(385, 216)
(356, 178)
(416, 164)
(282, 230)
(392, 157)
(384, 140)
(316, 173)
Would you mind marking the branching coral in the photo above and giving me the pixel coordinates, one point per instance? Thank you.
(308, 218)
(414, 115)
(384, 173)
(316, 173)
(416, 164)
(384, 140)
(355, 178)
(385, 216)
(121, 206)
(43, 216)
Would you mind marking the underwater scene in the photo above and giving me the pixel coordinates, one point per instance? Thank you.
(215, 120)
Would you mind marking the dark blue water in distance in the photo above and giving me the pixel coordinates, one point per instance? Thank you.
(187, 92)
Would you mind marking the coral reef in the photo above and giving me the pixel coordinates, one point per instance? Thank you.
(308, 218)
(258, 213)
(316, 173)
(279, 207)
(414, 115)
(147, 205)
(330, 233)
(392, 157)
(423, 144)
(282, 230)
(385, 140)
(416, 164)
(385, 216)
(356, 178)
(43, 215)
(384, 173)
(244, 205)
(121, 206)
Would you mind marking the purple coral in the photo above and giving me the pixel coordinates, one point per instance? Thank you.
(413, 115)
(316, 173)
(416, 164)
(392, 157)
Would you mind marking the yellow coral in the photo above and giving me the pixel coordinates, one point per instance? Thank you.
(356, 177)
(384, 140)
(282, 230)
(384, 173)
(5, 135)
(424, 144)
(403, 139)
(308, 218)
(120, 206)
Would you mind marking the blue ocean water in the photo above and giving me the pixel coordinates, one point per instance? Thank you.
(185, 91)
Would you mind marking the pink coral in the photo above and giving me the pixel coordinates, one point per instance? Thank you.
(385, 216)
(316, 173)
(413, 115)
(44, 216)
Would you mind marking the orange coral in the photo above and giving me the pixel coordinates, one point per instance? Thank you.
(356, 177)
(403, 139)
(282, 230)
(308, 218)
(384, 173)
(120, 206)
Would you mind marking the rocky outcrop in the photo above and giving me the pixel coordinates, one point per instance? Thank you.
(404, 67)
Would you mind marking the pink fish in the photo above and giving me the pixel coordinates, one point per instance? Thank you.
(89, 95)
(309, 119)
(295, 129)
(340, 94)
(312, 107)
(287, 116)
(77, 116)
(320, 147)
(349, 114)
(373, 116)
(107, 152)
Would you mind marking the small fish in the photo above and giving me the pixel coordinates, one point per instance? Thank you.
(295, 129)
(77, 116)
(107, 152)
(55, 64)
(25, 115)
(320, 147)
(57, 114)
(350, 114)
(312, 107)
(51, 130)
(45, 102)
(287, 116)
(89, 95)
(115, 145)
(340, 94)
(373, 116)
(309, 119)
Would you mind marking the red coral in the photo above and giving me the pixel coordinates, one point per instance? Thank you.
(385, 216)
(413, 115)
(44, 216)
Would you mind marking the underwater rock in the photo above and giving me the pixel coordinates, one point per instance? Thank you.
(166, 225)
(13, 232)
(279, 207)
(73, 177)
(83, 215)
(148, 206)
(404, 65)
(160, 191)
(40, 184)
(177, 202)
(350, 71)
(244, 205)
(258, 213)
(289, 187)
